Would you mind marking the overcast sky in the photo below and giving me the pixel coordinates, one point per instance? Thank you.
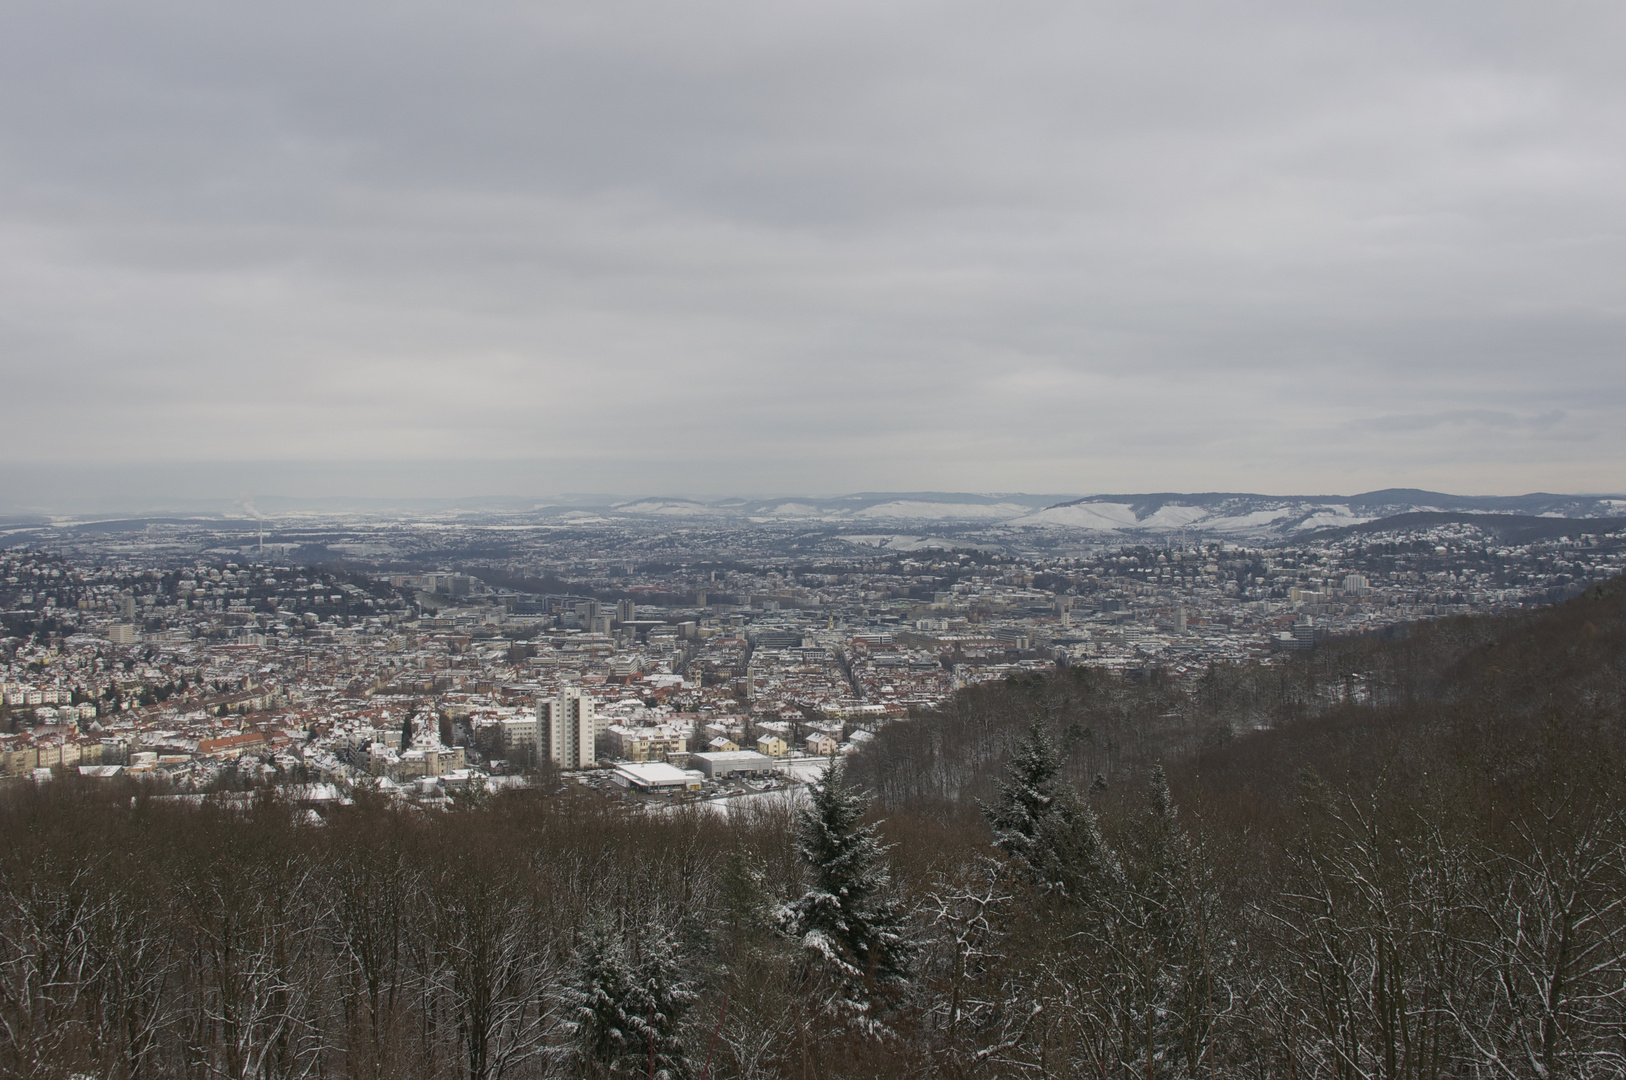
(461, 247)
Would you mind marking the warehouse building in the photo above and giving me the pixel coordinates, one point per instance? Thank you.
(653, 776)
(717, 766)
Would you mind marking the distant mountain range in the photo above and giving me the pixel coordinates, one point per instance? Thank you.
(1212, 513)
(1216, 514)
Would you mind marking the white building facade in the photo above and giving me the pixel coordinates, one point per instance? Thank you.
(567, 730)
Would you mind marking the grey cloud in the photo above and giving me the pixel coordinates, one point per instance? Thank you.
(818, 246)
(1491, 418)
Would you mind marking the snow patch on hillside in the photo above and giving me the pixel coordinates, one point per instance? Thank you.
(1120, 517)
(1100, 517)
(1333, 517)
(936, 511)
(1259, 519)
(1173, 516)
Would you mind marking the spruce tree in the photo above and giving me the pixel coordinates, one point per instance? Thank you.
(1028, 795)
(1046, 830)
(660, 996)
(625, 1007)
(847, 925)
(1159, 861)
(1166, 930)
(598, 996)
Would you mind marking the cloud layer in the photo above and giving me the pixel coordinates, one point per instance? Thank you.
(815, 247)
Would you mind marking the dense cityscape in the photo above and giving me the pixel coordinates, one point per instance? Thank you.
(669, 657)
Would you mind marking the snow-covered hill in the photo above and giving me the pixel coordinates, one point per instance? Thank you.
(1238, 514)
(1227, 514)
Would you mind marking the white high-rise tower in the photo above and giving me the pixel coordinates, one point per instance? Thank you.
(567, 730)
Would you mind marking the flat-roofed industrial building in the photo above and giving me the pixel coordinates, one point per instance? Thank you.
(718, 765)
(653, 776)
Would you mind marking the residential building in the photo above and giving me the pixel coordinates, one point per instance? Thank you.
(567, 729)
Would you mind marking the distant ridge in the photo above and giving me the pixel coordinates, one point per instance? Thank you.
(1215, 514)
(1241, 514)
(1509, 528)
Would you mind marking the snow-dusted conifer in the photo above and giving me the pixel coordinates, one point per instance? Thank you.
(1161, 941)
(847, 924)
(625, 1007)
(598, 997)
(1027, 796)
(1042, 825)
(1160, 860)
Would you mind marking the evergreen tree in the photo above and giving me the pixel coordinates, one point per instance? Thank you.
(406, 734)
(1043, 827)
(602, 1030)
(660, 996)
(1145, 954)
(626, 1001)
(846, 923)
(1166, 922)
(1028, 795)
(1159, 861)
